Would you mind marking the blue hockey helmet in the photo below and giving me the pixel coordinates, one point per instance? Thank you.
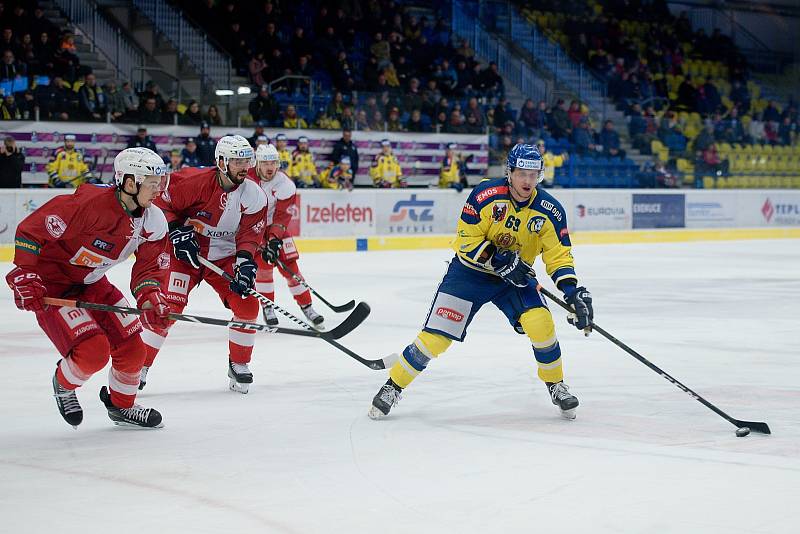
(524, 156)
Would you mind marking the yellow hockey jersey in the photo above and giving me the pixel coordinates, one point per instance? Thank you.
(285, 161)
(491, 220)
(386, 168)
(450, 173)
(333, 177)
(303, 168)
(67, 166)
(550, 163)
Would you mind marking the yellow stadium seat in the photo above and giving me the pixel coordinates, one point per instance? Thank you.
(708, 182)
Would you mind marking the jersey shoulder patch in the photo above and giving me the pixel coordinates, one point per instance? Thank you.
(547, 204)
(488, 191)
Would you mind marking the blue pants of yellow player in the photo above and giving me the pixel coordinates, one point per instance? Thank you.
(459, 297)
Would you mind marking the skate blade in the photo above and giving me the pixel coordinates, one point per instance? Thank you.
(123, 424)
(375, 413)
(142, 385)
(239, 387)
(569, 414)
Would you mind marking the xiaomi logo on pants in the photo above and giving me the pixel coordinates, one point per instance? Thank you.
(178, 283)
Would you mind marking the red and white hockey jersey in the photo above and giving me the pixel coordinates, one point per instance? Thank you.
(226, 222)
(74, 239)
(280, 192)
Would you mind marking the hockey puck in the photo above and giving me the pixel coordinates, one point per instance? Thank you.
(742, 432)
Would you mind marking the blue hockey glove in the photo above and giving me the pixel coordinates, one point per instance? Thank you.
(244, 274)
(510, 267)
(581, 300)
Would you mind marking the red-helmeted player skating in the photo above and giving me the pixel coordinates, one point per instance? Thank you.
(217, 213)
(64, 249)
(278, 243)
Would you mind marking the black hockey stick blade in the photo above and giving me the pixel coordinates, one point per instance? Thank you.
(338, 309)
(350, 322)
(754, 426)
(375, 365)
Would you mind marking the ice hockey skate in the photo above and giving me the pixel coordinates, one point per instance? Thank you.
(389, 395)
(240, 376)
(143, 377)
(270, 319)
(67, 402)
(312, 315)
(135, 416)
(561, 397)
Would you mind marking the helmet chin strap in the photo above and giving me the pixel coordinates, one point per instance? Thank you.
(134, 197)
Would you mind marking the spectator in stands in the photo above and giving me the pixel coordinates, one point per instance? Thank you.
(456, 123)
(291, 119)
(609, 139)
(381, 51)
(131, 99)
(149, 112)
(771, 113)
(787, 131)
(530, 122)
(257, 68)
(708, 100)
(142, 140)
(10, 68)
(560, 125)
(346, 147)
(343, 73)
(189, 155)
(192, 115)
(393, 123)
(637, 128)
(152, 90)
(348, 120)
(175, 160)
(474, 110)
(258, 130)
(551, 162)
(52, 100)
(324, 122)
(335, 107)
(115, 101)
(574, 113)
(415, 122)
(170, 114)
(756, 129)
(376, 122)
(44, 51)
(740, 96)
(687, 95)
(730, 128)
(583, 139)
(491, 83)
(9, 111)
(771, 130)
(92, 99)
(212, 116)
(11, 164)
(205, 146)
(712, 163)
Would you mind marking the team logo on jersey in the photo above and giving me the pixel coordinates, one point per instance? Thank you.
(55, 226)
(204, 215)
(223, 201)
(163, 260)
(449, 314)
(505, 240)
(259, 226)
(535, 224)
(499, 211)
(102, 245)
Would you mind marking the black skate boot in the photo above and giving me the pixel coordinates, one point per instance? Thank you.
(561, 397)
(240, 376)
(312, 315)
(389, 395)
(143, 378)
(269, 316)
(136, 415)
(67, 402)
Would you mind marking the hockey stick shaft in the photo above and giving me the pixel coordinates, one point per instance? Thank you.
(183, 317)
(372, 364)
(338, 309)
(752, 425)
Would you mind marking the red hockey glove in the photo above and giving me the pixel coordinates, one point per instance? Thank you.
(156, 309)
(28, 288)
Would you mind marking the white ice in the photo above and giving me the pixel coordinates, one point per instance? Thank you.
(474, 446)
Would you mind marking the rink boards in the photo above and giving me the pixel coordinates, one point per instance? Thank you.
(369, 219)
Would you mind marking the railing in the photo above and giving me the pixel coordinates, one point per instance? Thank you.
(191, 43)
(517, 72)
(279, 82)
(104, 37)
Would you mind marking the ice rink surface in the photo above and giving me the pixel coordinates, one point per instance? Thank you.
(474, 446)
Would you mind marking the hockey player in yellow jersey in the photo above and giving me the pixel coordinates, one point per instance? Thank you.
(304, 170)
(451, 174)
(284, 155)
(67, 168)
(551, 162)
(504, 225)
(385, 171)
(338, 176)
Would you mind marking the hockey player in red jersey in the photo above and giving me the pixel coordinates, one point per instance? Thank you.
(217, 213)
(278, 244)
(64, 249)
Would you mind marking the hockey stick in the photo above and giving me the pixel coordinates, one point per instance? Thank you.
(752, 425)
(360, 313)
(338, 309)
(333, 334)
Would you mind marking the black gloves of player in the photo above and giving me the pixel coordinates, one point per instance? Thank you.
(185, 244)
(510, 267)
(581, 300)
(244, 274)
(272, 250)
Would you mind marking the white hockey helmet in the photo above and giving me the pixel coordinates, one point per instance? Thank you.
(141, 163)
(267, 153)
(233, 147)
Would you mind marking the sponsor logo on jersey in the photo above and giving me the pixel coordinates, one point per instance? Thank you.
(74, 317)
(102, 245)
(55, 225)
(564, 231)
(125, 319)
(549, 206)
(469, 209)
(535, 224)
(163, 260)
(499, 211)
(204, 215)
(505, 240)
(178, 283)
(87, 258)
(259, 226)
(449, 314)
(492, 191)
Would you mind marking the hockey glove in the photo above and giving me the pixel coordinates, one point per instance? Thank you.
(581, 300)
(28, 288)
(244, 274)
(156, 309)
(185, 244)
(510, 267)
(272, 250)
